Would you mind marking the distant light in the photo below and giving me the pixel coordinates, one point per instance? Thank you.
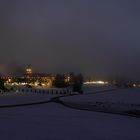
(97, 82)
(36, 84)
(9, 80)
(43, 84)
(106, 83)
(23, 84)
(134, 85)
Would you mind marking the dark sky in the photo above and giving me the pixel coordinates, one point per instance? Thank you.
(96, 37)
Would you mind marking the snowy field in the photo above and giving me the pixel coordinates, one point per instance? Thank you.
(118, 95)
(118, 101)
(30, 95)
(12, 98)
(95, 88)
(53, 121)
(23, 98)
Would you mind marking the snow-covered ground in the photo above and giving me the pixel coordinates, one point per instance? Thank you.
(53, 121)
(25, 95)
(119, 101)
(118, 95)
(23, 98)
(95, 88)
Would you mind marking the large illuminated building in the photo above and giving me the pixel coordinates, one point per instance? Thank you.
(38, 79)
(35, 79)
(30, 78)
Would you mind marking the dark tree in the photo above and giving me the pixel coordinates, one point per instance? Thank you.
(59, 81)
(78, 83)
(72, 77)
(2, 87)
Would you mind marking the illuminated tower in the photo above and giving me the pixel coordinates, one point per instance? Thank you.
(29, 71)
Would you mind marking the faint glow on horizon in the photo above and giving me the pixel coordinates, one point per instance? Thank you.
(96, 82)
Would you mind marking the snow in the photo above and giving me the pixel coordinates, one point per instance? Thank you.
(30, 96)
(121, 101)
(23, 98)
(95, 88)
(53, 121)
(118, 95)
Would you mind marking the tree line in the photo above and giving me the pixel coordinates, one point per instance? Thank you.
(72, 80)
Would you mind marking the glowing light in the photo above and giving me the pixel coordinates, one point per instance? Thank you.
(23, 84)
(9, 80)
(36, 84)
(43, 84)
(97, 82)
(134, 85)
(29, 70)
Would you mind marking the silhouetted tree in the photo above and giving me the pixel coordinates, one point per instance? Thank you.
(78, 83)
(59, 81)
(2, 87)
(72, 77)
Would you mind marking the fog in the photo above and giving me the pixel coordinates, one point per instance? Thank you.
(97, 38)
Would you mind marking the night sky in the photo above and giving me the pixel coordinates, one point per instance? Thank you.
(100, 38)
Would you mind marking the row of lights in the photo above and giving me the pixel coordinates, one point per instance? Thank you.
(9, 82)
